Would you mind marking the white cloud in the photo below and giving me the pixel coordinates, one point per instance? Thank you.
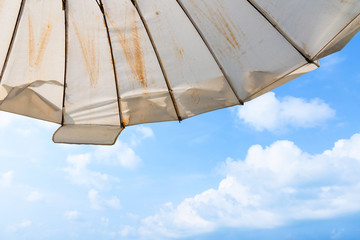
(270, 113)
(141, 133)
(35, 197)
(72, 215)
(99, 203)
(123, 154)
(94, 199)
(81, 175)
(20, 226)
(6, 179)
(120, 154)
(127, 231)
(113, 203)
(133, 216)
(271, 187)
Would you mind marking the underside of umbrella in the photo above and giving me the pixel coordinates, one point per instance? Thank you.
(97, 66)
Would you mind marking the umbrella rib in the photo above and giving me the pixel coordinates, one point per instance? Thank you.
(66, 22)
(331, 40)
(21, 10)
(101, 6)
(279, 79)
(273, 23)
(159, 60)
(241, 102)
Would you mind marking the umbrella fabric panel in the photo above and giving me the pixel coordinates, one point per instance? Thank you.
(315, 24)
(291, 76)
(9, 10)
(90, 93)
(98, 66)
(32, 83)
(251, 51)
(142, 86)
(341, 39)
(87, 134)
(194, 77)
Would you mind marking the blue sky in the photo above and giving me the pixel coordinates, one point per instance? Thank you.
(284, 166)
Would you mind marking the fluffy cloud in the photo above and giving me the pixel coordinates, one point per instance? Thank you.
(270, 113)
(79, 173)
(99, 203)
(94, 199)
(120, 154)
(113, 203)
(35, 197)
(141, 133)
(72, 215)
(20, 226)
(6, 179)
(271, 187)
(127, 231)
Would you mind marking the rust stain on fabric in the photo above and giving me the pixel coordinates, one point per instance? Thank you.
(126, 120)
(90, 52)
(37, 50)
(130, 41)
(222, 23)
(179, 50)
(347, 1)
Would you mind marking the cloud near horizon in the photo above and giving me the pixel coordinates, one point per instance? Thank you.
(79, 173)
(271, 187)
(273, 114)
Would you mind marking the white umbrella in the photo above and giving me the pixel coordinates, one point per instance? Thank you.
(129, 62)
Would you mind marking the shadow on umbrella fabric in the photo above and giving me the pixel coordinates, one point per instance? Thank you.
(22, 99)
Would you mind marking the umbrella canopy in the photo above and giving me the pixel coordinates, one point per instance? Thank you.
(97, 66)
